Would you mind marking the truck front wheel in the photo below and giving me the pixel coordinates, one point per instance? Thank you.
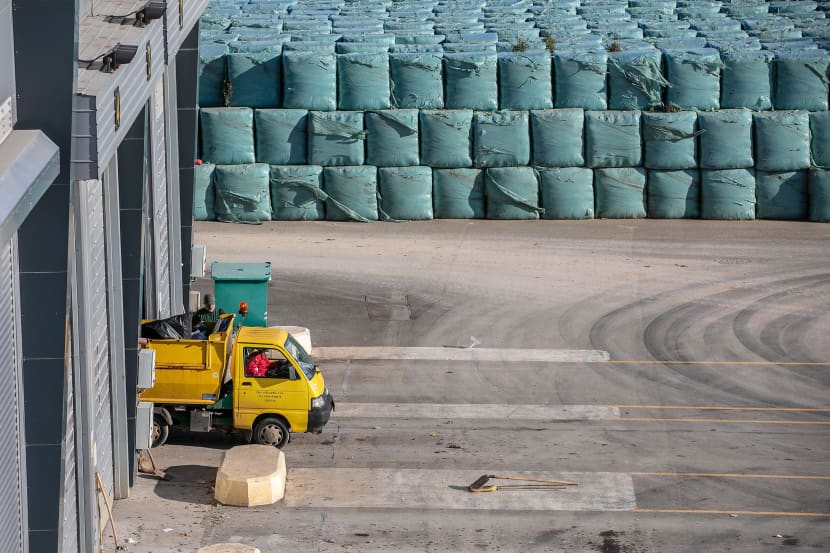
(160, 431)
(271, 431)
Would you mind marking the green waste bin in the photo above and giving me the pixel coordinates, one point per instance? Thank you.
(238, 282)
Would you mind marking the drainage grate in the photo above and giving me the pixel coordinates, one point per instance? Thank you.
(387, 308)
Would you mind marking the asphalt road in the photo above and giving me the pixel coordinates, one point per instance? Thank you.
(684, 388)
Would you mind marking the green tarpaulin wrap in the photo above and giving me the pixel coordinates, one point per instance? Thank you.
(820, 138)
(512, 193)
(620, 192)
(227, 135)
(458, 193)
(612, 139)
(212, 74)
(819, 194)
(242, 193)
(256, 79)
(726, 139)
(579, 78)
(669, 140)
(309, 80)
(470, 81)
(782, 140)
(557, 137)
(416, 80)
(392, 138)
(747, 79)
(728, 194)
(801, 79)
(363, 81)
(635, 79)
(336, 137)
(694, 77)
(674, 194)
(281, 136)
(405, 193)
(351, 193)
(446, 137)
(781, 195)
(525, 80)
(296, 193)
(567, 192)
(501, 139)
(203, 192)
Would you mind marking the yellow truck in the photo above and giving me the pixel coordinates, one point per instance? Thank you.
(259, 381)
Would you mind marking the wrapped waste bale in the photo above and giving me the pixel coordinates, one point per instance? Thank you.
(781, 195)
(579, 78)
(725, 139)
(392, 137)
(727, 194)
(782, 140)
(351, 193)
(620, 192)
(557, 137)
(525, 80)
(819, 195)
(446, 138)
(674, 194)
(227, 135)
(309, 80)
(256, 79)
(363, 81)
(212, 75)
(242, 193)
(203, 192)
(470, 81)
(612, 139)
(635, 79)
(694, 77)
(567, 192)
(669, 140)
(336, 138)
(296, 193)
(458, 193)
(405, 193)
(501, 138)
(416, 80)
(281, 137)
(512, 193)
(747, 79)
(801, 78)
(820, 138)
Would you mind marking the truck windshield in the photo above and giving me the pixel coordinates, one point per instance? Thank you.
(303, 359)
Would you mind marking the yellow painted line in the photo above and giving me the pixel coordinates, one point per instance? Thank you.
(722, 512)
(716, 408)
(729, 475)
(656, 362)
(744, 421)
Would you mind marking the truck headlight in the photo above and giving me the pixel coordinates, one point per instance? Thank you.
(318, 402)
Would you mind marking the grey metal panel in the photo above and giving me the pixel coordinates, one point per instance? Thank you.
(173, 197)
(161, 234)
(7, 55)
(13, 535)
(69, 494)
(192, 11)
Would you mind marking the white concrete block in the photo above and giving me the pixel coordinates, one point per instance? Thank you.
(251, 475)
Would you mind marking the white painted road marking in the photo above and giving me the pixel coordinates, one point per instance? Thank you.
(463, 354)
(476, 411)
(447, 489)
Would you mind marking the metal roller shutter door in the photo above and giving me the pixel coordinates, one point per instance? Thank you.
(11, 492)
(161, 233)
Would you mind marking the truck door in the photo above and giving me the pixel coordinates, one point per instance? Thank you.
(270, 384)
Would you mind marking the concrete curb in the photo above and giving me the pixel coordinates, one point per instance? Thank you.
(228, 548)
(251, 475)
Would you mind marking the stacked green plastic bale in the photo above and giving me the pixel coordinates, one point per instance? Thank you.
(580, 79)
(635, 79)
(501, 138)
(392, 138)
(351, 193)
(446, 137)
(819, 194)
(281, 136)
(673, 194)
(227, 135)
(525, 80)
(747, 79)
(820, 138)
(309, 80)
(694, 78)
(242, 193)
(405, 193)
(558, 137)
(782, 140)
(620, 192)
(612, 139)
(297, 193)
(567, 192)
(256, 78)
(781, 195)
(801, 80)
(669, 140)
(470, 81)
(203, 192)
(728, 194)
(336, 138)
(512, 193)
(458, 193)
(363, 81)
(416, 81)
(212, 74)
(726, 139)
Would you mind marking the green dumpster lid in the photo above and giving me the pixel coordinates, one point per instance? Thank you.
(241, 271)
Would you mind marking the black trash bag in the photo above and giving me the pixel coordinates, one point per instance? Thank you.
(177, 327)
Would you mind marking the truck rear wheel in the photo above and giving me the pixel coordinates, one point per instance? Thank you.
(271, 431)
(161, 430)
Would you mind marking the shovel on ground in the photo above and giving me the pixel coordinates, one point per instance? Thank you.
(480, 484)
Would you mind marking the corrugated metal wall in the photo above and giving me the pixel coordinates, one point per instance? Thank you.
(161, 234)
